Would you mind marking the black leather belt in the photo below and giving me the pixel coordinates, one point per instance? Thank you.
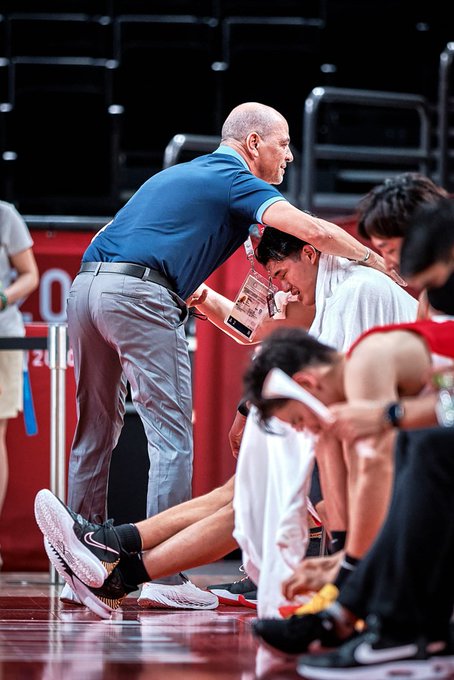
(127, 268)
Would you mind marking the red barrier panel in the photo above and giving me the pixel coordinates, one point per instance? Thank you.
(58, 255)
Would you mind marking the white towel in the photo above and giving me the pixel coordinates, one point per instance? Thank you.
(351, 298)
(273, 472)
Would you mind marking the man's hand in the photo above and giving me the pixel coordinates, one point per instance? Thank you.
(312, 574)
(236, 433)
(377, 262)
(198, 297)
(357, 420)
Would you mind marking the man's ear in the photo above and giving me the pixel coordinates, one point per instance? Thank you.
(252, 142)
(309, 252)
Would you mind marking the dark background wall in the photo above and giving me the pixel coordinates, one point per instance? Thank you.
(91, 92)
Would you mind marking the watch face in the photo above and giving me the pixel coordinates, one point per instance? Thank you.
(399, 411)
(397, 414)
(394, 413)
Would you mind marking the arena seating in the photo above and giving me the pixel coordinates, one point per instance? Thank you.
(178, 66)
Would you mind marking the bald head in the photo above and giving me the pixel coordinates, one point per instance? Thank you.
(250, 117)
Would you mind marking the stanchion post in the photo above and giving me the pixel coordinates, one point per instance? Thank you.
(57, 348)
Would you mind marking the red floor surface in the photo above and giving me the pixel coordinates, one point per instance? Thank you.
(42, 639)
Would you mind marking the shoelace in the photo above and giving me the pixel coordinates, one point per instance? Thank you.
(106, 526)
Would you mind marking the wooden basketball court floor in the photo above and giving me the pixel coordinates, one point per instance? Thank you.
(43, 639)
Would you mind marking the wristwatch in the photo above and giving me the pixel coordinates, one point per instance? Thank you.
(393, 413)
(243, 408)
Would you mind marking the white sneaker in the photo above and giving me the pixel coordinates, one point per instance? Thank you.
(183, 596)
(68, 596)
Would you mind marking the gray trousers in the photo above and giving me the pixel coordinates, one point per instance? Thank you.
(125, 329)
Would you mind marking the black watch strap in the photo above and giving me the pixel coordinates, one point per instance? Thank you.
(243, 408)
(393, 413)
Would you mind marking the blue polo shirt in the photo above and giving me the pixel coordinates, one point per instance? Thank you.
(185, 221)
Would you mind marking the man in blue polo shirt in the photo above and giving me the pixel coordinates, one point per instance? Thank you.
(126, 308)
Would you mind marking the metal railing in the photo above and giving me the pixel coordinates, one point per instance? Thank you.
(443, 109)
(182, 142)
(313, 151)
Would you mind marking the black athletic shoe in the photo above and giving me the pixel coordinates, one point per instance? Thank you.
(102, 601)
(295, 634)
(372, 657)
(229, 593)
(92, 551)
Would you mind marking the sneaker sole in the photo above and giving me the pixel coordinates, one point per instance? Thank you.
(57, 526)
(68, 600)
(85, 596)
(225, 596)
(252, 604)
(415, 670)
(228, 601)
(188, 596)
(150, 603)
(147, 603)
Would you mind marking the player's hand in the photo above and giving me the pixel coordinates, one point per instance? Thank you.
(377, 262)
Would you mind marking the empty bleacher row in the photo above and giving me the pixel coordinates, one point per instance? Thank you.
(91, 92)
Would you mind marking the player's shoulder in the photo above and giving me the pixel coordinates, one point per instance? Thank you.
(362, 278)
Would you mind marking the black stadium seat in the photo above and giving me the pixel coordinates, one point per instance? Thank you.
(64, 130)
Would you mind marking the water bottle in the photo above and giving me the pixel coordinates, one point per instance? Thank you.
(444, 408)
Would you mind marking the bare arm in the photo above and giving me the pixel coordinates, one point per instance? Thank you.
(359, 419)
(27, 276)
(326, 236)
(379, 370)
(216, 307)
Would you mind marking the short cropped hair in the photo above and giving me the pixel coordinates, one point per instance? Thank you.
(291, 350)
(277, 245)
(250, 117)
(386, 210)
